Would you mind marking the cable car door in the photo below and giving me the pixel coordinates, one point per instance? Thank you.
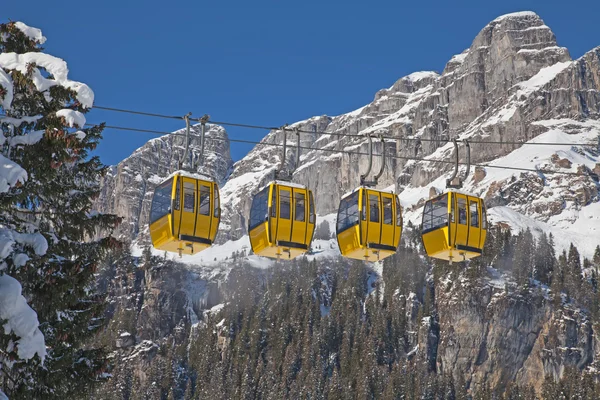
(474, 222)
(203, 218)
(176, 208)
(388, 219)
(373, 217)
(299, 216)
(188, 207)
(284, 225)
(273, 216)
(462, 220)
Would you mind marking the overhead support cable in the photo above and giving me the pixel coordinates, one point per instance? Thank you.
(290, 129)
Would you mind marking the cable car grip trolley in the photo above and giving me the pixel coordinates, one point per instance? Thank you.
(185, 211)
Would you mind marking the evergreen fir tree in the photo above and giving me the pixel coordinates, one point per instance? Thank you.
(544, 259)
(523, 258)
(596, 258)
(573, 277)
(56, 199)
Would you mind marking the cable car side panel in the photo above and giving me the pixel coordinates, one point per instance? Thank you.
(373, 218)
(388, 222)
(299, 216)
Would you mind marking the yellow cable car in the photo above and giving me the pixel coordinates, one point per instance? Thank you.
(454, 224)
(185, 211)
(282, 215)
(282, 220)
(369, 224)
(369, 221)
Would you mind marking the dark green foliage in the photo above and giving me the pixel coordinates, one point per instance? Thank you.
(544, 259)
(56, 201)
(523, 259)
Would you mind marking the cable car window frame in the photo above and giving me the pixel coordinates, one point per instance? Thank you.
(387, 208)
(260, 206)
(204, 200)
(285, 194)
(274, 202)
(435, 214)
(474, 213)
(311, 211)
(189, 196)
(373, 200)
(217, 205)
(161, 200)
(398, 212)
(364, 205)
(299, 211)
(176, 201)
(452, 208)
(484, 224)
(348, 218)
(462, 206)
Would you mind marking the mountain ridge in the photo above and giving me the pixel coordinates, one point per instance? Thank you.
(512, 84)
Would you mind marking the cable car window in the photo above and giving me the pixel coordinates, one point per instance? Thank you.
(189, 196)
(161, 201)
(311, 217)
(204, 200)
(348, 212)
(474, 214)
(398, 212)
(483, 216)
(373, 208)
(177, 195)
(364, 206)
(300, 207)
(188, 200)
(259, 211)
(452, 212)
(284, 204)
(462, 211)
(435, 214)
(217, 203)
(387, 210)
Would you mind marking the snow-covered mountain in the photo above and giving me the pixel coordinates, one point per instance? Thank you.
(513, 84)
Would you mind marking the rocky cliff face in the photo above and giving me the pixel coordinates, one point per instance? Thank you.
(491, 333)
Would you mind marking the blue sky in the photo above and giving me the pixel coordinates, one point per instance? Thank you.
(263, 62)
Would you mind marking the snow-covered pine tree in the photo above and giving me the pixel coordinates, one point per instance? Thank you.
(43, 132)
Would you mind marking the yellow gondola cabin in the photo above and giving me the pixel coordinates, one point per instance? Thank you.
(369, 224)
(454, 226)
(185, 213)
(282, 220)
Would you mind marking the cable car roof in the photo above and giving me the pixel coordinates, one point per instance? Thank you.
(364, 187)
(284, 183)
(193, 175)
